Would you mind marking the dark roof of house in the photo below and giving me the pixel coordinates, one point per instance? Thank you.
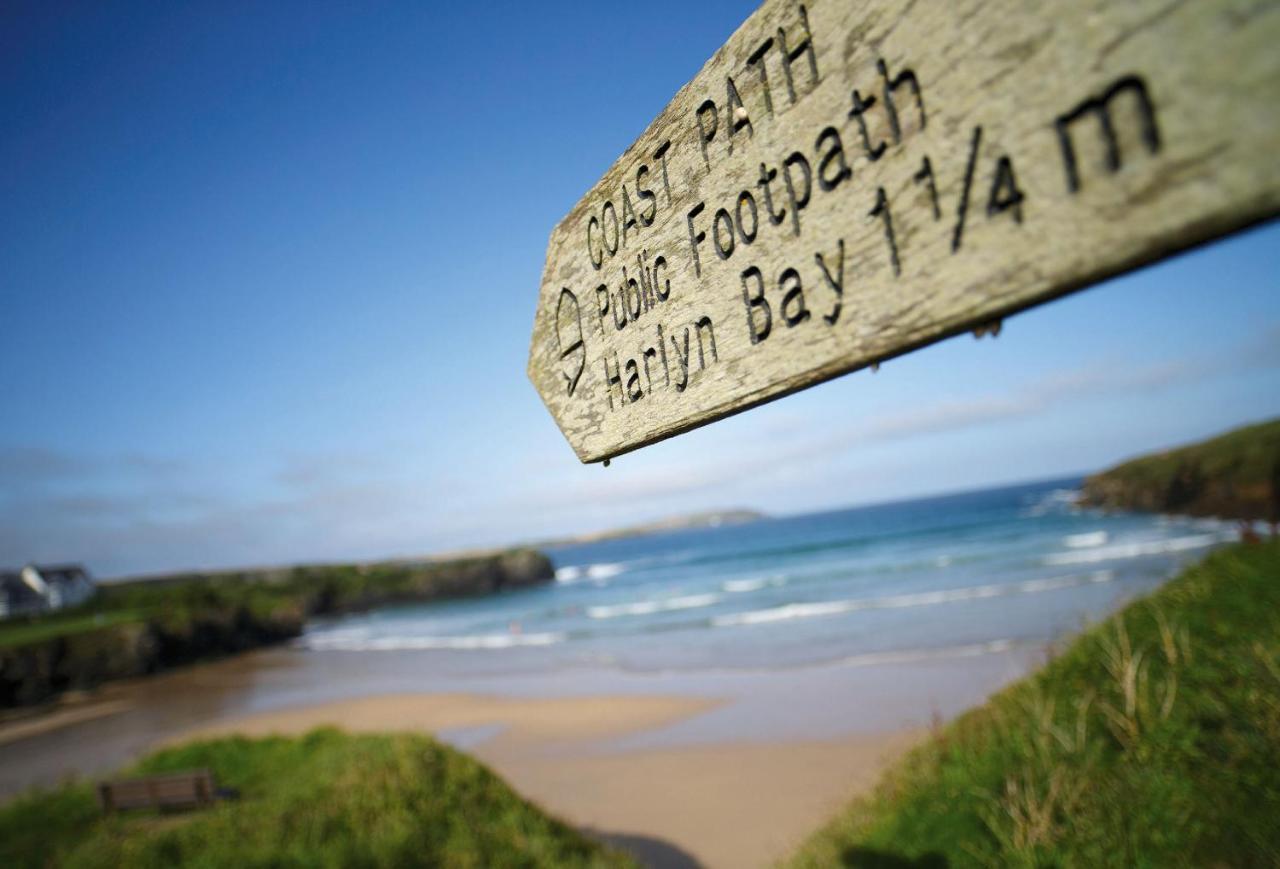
(53, 573)
(15, 590)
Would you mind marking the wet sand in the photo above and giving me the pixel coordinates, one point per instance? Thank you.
(39, 723)
(733, 804)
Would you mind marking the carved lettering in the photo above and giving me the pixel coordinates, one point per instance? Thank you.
(1099, 107)
(863, 188)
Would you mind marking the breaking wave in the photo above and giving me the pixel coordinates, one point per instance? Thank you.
(596, 572)
(1134, 550)
(1085, 541)
(649, 607)
(1053, 502)
(348, 642)
(791, 611)
(742, 586)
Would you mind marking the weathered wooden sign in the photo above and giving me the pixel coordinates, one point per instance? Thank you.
(847, 181)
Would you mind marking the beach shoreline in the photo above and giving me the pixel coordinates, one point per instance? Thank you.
(731, 803)
(635, 770)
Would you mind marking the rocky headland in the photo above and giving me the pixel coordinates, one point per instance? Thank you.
(1233, 476)
(136, 627)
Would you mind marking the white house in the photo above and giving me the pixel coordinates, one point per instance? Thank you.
(39, 588)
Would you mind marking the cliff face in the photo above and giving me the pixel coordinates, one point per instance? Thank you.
(484, 575)
(190, 618)
(1233, 476)
(339, 589)
(33, 672)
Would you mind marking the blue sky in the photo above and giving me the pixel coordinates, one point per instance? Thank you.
(268, 272)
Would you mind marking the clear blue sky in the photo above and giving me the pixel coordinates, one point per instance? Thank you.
(268, 271)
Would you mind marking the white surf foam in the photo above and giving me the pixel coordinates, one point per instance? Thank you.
(571, 573)
(604, 571)
(1120, 551)
(598, 572)
(791, 611)
(336, 641)
(1086, 540)
(1058, 499)
(649, 607)
(741, 586)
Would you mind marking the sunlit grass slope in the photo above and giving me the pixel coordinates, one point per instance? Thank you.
(327, 799)
(1154, 740)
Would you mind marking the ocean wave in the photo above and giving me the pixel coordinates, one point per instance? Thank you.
(1134, 550)
(649, 607)
(1087, 540)
(788, 612)
(1058, 499)
(859, 541)
(337, 641)
(598, 572)
(741, 586)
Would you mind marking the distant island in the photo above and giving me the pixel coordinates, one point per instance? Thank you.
(687, 521)
(1233, 476)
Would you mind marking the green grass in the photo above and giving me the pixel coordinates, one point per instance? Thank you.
(326, 799)
(1246, 453)
(1154, 740)
(1234, 475)
(166, 604)
(312, 589)
(20, 632)
(137, 627)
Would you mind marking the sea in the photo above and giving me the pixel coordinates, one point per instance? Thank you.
(944, 577)
(868, 620)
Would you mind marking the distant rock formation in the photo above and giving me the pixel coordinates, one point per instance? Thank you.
(1232, 476)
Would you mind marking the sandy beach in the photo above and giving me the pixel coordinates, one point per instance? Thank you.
(735, 804)
(716, 769)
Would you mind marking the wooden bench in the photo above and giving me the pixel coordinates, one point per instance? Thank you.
(182, 790)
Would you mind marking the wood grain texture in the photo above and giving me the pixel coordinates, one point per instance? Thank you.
(964, 160)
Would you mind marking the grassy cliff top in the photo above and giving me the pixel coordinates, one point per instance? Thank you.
(307, 590)
(327, 799)
(1153, 740)
(1234, 475)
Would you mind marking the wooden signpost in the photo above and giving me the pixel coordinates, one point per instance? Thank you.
(848, 180)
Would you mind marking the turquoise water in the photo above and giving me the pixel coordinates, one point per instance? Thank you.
(809, 627)
(941, 577)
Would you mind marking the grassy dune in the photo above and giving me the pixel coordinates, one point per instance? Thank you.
(1153, 740)
(327, 799)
